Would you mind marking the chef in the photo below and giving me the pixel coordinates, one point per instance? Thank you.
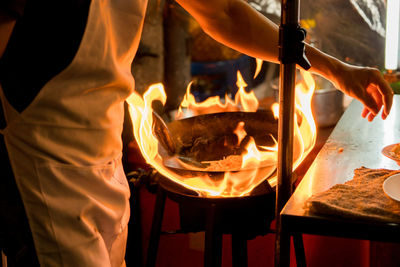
(65, 71)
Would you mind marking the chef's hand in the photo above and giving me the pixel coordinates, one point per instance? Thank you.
(363, 83)
(368, 86)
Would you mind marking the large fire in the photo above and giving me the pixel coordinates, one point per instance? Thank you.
(255, 165)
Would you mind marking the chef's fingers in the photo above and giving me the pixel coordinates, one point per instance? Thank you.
(386, 92)
(387, 99)
(383, 96)
(365, 112)
(370, 103)
(371, 117)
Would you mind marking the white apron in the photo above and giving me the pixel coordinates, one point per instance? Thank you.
(65, 147)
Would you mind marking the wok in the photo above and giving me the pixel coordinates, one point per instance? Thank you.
(211, 137)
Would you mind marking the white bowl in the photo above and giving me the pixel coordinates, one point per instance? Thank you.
(391, 187)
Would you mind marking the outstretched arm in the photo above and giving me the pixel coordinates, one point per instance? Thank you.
(6, 26)
(10, 10)
(236, 24)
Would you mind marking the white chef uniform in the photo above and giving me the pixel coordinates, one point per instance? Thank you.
(65, 147)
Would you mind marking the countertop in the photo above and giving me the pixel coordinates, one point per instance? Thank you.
(353, 143)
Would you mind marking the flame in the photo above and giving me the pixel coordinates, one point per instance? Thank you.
(256, 164)
(248, 101)
(243, 101)
(259, 63)
(210, 105)
(240, 132)
(275, 110)
(304, 132)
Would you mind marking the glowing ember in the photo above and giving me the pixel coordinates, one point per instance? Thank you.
(256, 163)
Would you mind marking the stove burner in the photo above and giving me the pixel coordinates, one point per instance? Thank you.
(242, 217)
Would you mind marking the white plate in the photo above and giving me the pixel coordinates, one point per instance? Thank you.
(391, 186)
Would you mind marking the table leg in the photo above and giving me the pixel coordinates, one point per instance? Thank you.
(299, 250)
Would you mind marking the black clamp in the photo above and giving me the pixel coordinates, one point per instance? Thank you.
(292, 46)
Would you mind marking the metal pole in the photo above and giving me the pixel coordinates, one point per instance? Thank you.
(289, 16)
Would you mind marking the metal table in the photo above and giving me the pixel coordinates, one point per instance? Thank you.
(361, 142)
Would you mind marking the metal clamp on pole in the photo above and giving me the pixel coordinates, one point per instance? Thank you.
(294, 49)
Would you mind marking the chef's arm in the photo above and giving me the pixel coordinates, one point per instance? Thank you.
(10, 11)
(239, 26)
(236, 24)
(7, 23)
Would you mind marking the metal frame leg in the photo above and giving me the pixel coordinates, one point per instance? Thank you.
(282, 249)
(239, 250)
(213, 239)
(134, 249)
(156, 227)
